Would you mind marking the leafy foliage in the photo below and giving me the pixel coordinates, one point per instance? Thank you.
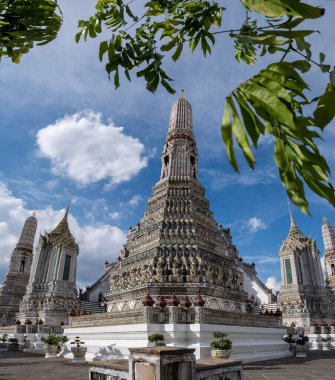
(51, 340)
(77, 341)
(221, 343)
(272, 102)
(24, 23)
(157, 338)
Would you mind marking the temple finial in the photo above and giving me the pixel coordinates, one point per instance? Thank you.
(182, 93)
(69, 204)
(290, 211)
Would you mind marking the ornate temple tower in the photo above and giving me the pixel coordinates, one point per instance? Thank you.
(303, 296)
(51, 290)
(329, 244)
(17, 278)
(178, 247)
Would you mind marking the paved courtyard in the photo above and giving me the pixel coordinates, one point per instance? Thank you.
(31, 366)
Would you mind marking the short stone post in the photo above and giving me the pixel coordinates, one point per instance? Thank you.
(162, 363)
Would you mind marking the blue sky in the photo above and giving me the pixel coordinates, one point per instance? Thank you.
(64, 129)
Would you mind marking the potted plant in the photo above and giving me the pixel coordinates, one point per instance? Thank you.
(4, 342)
(64, 348)
(26, 344)
(78, 351)
(326, 343)
(51, 344)
(221, 347)
(298, 345)
(301, 346)
(157, 338)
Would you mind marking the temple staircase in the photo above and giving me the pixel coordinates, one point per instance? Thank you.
(91, 307)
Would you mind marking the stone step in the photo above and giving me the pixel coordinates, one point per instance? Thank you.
(90, 306)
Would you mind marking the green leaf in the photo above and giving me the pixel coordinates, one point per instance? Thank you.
(226, 130)
(240, 134)
(325, 110)
(116, 80)
(269, 102)
(167, 86)
(301, 65)
(152, 85)
(332, 78)
(103, 49)
(266, 7)
(292, 34)
(322, 57)
(178, 51)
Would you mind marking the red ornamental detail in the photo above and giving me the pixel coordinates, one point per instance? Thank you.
(148, 301)
(72, 313)
(173, 300)
(199, 301)
(17, 322)
(161, 303)
(185, 303)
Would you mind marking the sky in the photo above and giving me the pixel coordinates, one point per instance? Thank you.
(65, 130)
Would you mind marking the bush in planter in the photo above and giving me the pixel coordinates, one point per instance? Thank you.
(51, 344)
(4, 342)
(221, 346)
(79, 351)
(51, 340)
(326, 343)
(77, 342)
(157, 338)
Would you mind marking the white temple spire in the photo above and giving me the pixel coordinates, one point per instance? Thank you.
(180, 155)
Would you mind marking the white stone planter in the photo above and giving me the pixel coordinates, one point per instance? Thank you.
(300, 351)
(79, 354)
(220, 354)
(50, 351)
(3, 346)
(326, 346)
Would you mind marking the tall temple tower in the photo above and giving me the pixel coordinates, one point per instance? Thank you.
(51, 291)
(178, 247)
(329, 245)
(17, 278)
(303, 296)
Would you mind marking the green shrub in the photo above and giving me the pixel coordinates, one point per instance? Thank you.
(157, 338)
(221, 343)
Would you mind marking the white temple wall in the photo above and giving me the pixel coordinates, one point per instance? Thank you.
(249, 343)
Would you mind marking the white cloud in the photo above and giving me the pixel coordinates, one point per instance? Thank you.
(135, 200)
(84, 149)
(96, 243)
(272, 283)
(114, 215)
(256, 224)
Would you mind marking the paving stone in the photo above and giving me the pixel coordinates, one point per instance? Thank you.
(31, 366)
